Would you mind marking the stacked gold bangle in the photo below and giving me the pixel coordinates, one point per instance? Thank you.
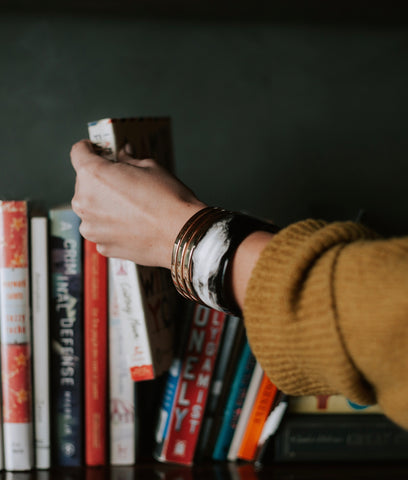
(184, 246)
(200, 264)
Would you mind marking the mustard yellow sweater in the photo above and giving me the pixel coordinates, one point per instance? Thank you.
(326, 311)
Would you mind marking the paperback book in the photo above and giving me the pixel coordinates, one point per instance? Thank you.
(123, 431)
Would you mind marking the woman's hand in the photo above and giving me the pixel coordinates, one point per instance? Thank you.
(132, 209)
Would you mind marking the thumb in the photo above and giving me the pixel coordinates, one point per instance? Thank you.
(83, 152)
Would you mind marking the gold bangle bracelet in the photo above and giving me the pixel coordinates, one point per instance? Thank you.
(199, 232)
(176, 261)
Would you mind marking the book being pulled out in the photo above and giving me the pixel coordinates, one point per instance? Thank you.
(146, 296)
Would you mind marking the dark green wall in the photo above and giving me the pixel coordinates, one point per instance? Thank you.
(285, 120)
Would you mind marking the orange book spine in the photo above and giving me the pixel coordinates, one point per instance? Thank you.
(262, 406)
(95, 352)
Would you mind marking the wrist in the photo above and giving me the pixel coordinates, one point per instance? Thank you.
(244, 261)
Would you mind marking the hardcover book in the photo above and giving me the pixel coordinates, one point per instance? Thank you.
(67, 330)
(340, 438)
(95, 354)
(150, 137)
(40, 320)
(16, 384)
(192, 388)
(146, 296)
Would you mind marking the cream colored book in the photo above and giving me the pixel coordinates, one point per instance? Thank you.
(40, 322)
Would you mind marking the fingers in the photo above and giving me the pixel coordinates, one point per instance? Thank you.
(82, 153)
(125, 155)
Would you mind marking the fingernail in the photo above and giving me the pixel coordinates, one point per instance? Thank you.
(128, 148)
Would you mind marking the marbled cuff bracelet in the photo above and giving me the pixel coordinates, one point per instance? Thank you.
(202, 254)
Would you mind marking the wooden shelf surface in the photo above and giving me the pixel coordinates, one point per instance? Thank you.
(157, 471)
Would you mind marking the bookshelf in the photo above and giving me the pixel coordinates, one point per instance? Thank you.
(280, 94)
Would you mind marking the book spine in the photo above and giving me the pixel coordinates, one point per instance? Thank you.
(260, 411)
(193, 386)
(230, 342)
(41, 360)
(324, 404)
(67, 399)
(102, 134)
(234, 403)
(95, 354)
(123, 433)
(159, 302)
(15, 336)
(245, 413)
(171, 383)
(166, 407)
(132, 320)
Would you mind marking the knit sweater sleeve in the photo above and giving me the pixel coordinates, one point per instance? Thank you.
(326, 311)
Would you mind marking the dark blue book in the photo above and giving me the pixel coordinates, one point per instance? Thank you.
(234, 403)
(66, 329)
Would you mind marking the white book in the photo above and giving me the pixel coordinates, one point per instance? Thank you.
(40, 321)
(123, 420)
(148, 337)
(146, 296)
(247, 406)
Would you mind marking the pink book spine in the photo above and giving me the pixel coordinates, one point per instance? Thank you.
(15, 336)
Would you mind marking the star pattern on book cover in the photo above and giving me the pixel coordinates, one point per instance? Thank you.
(15, 361)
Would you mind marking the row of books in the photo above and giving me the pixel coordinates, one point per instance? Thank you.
(102, 363)
(74, 341)
(98, 329)
(217, 398)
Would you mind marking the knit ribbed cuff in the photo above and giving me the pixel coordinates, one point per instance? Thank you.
(291, 316)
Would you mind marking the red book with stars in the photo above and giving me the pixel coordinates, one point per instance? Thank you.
(15, 336)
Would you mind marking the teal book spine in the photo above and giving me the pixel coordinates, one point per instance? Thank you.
(66, 328)
(239, 387)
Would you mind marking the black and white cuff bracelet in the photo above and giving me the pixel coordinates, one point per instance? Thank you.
(202, 254)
